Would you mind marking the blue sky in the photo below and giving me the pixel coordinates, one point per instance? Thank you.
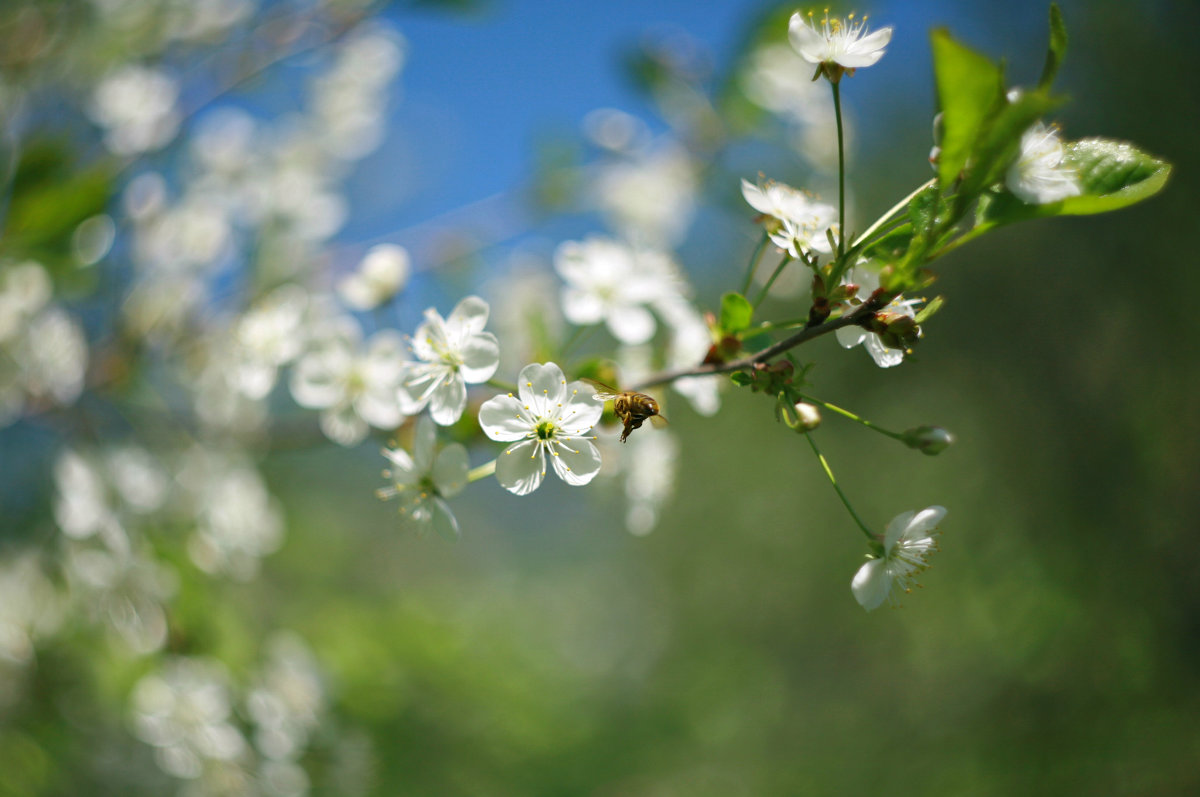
(478, 91)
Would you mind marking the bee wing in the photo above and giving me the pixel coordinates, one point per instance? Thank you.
(658, 421)
(603, 392)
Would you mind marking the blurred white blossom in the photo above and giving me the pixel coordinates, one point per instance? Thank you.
(650, 197)
(354, 385)
(270, 335)
(137, 107)
(118, 584)
(611, 282)
(185, 710)
(286, 698)
(43, 353)
(237, 520)
(423, 480)
(380, 275)
(30, 606)
(1038, 175)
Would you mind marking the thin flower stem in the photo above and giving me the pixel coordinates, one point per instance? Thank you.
(837, 112)
(482, 472)
(774, 326)
(752, 266)
(774, 275)
(574, 340)
(500, 384)
(887, 217)
(848, 414)
(833, 480)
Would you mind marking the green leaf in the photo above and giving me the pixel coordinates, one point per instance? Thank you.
(969, 88)
(891, 246)
(1112, 174)
(736, 313)
(50, 197)
(741, 378)
(1057, 49)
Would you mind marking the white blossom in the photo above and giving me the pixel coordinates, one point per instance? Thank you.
(548, 415)
(452, 353)
(381, 275)
(137, 107)
(122, 587)
(907, 544)
(844, 42)
(423, 480)
(610, 282)
(268, 336)
(649, 197)
(883, 355)
(30, 607)
(185, 711)
(799, 223)
(236, 519)
(286, 699)
(1038, 175)
(353, 385)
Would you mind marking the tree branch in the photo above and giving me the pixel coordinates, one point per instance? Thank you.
(869, 307)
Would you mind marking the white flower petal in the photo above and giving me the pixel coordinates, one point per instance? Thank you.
(581, 307)
(430, 338)
(581, 410)
(342, 425)
(404, 470)
(504, 418)
(630, 324)
(450, 470)
(480, 357)
(578, 460)
(895, 530)
(424, 440)
(448, 400)
(867, 50)
(521, 468)
(883, 355)
(850, 336)
(542, 386)
(442, 519)
(468, 317)
(872, 584)
(810, 44)
(380, 409)
(925, 521)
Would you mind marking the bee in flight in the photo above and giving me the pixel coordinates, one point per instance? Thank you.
(631, 407)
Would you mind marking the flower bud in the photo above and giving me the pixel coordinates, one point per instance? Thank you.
(929, 440)
(808, 415)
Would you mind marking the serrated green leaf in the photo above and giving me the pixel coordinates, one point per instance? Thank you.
(969, 88)
(736, 313)
(1112, 175)
(1057, 49)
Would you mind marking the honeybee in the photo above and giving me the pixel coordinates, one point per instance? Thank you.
(631, 407)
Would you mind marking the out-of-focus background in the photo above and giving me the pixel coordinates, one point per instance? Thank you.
(200, 594)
